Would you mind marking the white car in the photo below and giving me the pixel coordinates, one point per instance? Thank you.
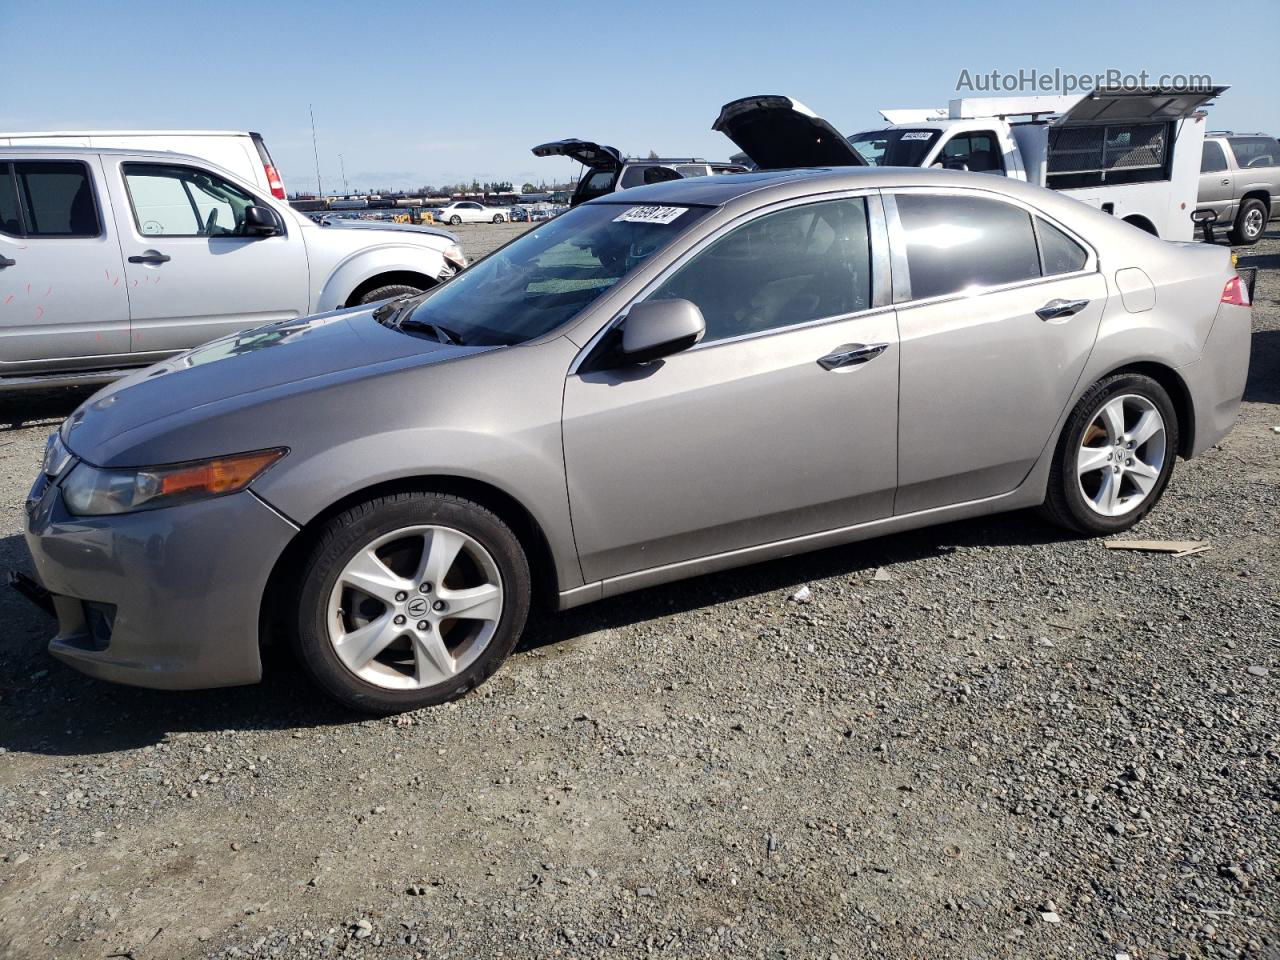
(469, 211)
(111, 259)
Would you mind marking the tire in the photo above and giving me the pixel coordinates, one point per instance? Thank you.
(389, 292)
(455, 220)
(1078, 492)
(399, 676)
(1251, 223)
(499, 218)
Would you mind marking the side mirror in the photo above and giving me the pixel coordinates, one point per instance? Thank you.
(658, 328)
(260, 222)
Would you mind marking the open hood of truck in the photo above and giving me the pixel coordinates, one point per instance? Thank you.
(777, 133)
(589, 154)
(1145, 103)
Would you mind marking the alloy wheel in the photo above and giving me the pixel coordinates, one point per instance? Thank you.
(415, 607)
(1253, 222)
(1121, 456)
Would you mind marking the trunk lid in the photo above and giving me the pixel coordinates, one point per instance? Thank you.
(587, 153)
(778, 133)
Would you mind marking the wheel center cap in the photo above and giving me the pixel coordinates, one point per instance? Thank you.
(417, 607)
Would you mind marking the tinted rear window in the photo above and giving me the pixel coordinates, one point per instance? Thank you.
(1255, 151)
(57, 198)
(958, 242)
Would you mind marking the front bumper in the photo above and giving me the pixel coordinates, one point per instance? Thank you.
(165, 598)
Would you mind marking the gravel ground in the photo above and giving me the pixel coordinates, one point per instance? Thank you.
(981, 740)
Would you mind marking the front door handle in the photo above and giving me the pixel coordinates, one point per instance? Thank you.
(151, 256)
(851, 355)
(6, 262)
(1056, 309)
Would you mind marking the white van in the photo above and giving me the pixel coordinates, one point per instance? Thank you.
(244, 154)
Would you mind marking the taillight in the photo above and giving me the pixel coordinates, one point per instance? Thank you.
(274, 182)
(1236, 293)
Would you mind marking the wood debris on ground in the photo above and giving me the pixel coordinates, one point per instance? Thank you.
(1178, 548)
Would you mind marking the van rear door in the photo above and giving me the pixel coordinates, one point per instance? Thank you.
(778, 133)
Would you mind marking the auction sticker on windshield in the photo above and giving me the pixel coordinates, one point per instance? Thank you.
(649, 214)
(917, 135)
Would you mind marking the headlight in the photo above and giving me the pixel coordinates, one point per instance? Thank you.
(90, 491)
(453, 253)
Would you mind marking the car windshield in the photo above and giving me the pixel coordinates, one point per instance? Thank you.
(550, 274)
(894, 148)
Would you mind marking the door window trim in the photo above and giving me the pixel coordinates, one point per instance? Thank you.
(25, 214)
(898, 246)
(881, 300)
(164, 165)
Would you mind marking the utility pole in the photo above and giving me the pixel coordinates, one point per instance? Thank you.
(316, 149)
(343, 165)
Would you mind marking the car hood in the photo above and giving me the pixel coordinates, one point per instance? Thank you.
(587, 153)
(778, 133)
(342, 223)
(248, 369)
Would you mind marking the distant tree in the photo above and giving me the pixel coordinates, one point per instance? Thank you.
(653, 155)
(528, 188)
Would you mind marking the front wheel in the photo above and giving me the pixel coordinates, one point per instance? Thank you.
(1115, 456)
(499, 218)
(1251, 221)
(410, 600)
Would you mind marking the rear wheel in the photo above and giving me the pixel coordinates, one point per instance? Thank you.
(1251, 221)
(1115, 456)
(409, 601)
(455, 220)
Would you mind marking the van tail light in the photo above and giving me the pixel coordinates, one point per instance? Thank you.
(1236, 293)
(273, 175)
(274, 181)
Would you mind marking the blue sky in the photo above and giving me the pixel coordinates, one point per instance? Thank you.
(413, 93)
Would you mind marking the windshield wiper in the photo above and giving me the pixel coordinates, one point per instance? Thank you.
(443, 334)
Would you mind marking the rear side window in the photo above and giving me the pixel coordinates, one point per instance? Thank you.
(957, 242)
(49, 198)
(1212, 159)
(1058, 252)
(1255, 151)
(10, 216)
(794, 266)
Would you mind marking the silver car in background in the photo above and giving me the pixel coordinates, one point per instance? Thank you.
(657, 384)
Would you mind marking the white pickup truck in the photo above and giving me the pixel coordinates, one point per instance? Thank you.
(1131, 153)
(111, 259)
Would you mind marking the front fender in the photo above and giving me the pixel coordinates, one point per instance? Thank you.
(369, 262)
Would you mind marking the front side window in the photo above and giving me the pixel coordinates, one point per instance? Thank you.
(795, 265)
(1255, 151)
(550, 274)
(54, 199)
(184, 202)
(894, 148)
(1212, 159)
(954, 243)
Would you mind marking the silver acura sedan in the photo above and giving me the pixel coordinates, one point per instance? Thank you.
(660, 383)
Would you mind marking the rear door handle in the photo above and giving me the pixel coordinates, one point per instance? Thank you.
(1226, 181)
(6, 262)
(851, 355)
(151, 256)
(1056, 309)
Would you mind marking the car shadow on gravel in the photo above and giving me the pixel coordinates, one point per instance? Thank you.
(27, 409)
(1263, 385)
(857, 561)
(49, 709)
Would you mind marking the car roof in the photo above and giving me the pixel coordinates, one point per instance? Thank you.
(94, 151)
(128, 133)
